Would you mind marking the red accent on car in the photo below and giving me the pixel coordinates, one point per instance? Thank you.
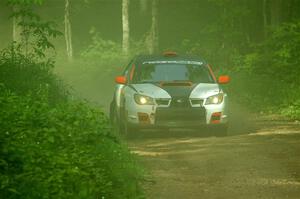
(224, 79)
(216, 118)
(121, 80)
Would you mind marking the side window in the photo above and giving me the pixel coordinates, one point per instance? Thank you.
(211, 72)
(129, 71)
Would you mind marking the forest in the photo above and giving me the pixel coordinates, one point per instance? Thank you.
(58, 59)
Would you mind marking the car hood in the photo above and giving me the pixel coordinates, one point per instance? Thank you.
(201, 90)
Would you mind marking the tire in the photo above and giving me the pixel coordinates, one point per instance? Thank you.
(116, 121)
(120, 124)
(125, 130)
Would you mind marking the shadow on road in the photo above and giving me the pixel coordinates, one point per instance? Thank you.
(172, 133)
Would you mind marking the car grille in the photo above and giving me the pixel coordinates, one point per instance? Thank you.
(197, 102)
(180, 102)
(167, 114)
(164, 102)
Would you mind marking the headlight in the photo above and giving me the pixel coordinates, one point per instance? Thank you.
(215, 99)
(143, 99)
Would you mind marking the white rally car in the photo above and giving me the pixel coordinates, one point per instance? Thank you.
(169, 91)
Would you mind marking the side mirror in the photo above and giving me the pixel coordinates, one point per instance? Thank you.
(224, 79)
(121, 80)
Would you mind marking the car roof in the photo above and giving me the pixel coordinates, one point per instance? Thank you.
(149, 58)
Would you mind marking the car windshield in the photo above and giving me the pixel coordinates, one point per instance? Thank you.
(173, 72)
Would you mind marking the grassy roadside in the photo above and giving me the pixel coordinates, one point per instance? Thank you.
(53, 146)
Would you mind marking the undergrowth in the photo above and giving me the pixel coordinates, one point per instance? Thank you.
(52, 146)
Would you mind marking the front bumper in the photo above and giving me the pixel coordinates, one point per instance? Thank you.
(153, 116)
(179, 116)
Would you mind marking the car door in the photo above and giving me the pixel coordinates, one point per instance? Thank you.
(120, 89)
(128, 92)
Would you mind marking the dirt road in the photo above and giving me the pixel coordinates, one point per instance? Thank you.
(261, 162)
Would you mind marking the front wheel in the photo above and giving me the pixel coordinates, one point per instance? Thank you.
(117, 122)
(131, 132)
(125, 129)
(120, 124)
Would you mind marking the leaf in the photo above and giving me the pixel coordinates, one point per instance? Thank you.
(51, 139)
(13, 190)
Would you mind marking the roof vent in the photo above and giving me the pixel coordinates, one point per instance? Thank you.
(170, 54)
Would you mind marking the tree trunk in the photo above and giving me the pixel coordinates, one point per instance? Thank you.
(125, 23)
(68, 31)
(265, 18)
(275, 18)
(153, 36)
(16, 28)
(290, 10)
(144, 5)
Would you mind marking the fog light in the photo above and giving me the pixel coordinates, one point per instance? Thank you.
(144, 118)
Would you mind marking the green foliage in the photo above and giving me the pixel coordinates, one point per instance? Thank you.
(284, 58)
(101, 57)
(65, 151)
(21, 75)
(50, 146)
(264, 77)
(262, 62)
(292, 110)
(25, 66)
(25, 2)
(35, 34)
(272, 71)
(101, 51)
